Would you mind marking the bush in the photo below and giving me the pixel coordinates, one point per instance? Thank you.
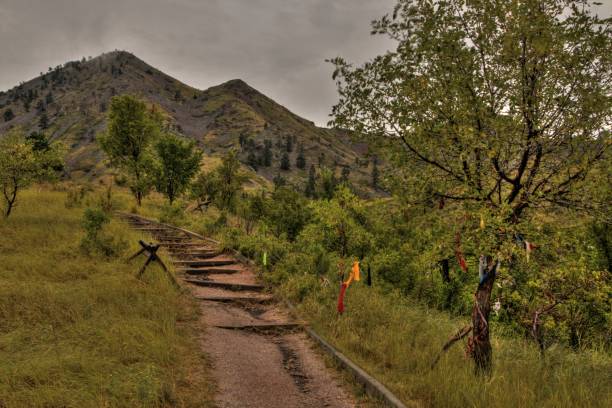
(94, 241)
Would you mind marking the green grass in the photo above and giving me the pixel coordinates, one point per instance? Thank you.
(396, 341)
(80, 330)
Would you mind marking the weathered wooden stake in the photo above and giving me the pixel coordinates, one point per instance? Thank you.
(151, 249)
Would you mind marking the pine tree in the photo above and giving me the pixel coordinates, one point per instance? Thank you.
(267, 154)
(375, 173)
(43, 122)
(252, 160)
(289, 144)
(345, 173)
(311, 185)
(8, 115)
(285, 164)
(300, 162)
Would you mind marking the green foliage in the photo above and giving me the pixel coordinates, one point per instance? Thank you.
(300, 161)
(525, 128)
(222, 185)
(287, 212)
(172, 213)
(285, 163)
(22, 163)
(177, 162)
(132, 129)
(95, 242)
(311, 184)
(8, 115)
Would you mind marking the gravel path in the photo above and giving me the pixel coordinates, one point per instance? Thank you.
(260, 355)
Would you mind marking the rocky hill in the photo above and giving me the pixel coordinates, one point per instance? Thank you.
(69, 103)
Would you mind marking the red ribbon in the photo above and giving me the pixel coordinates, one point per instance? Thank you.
(459, 254)
(341, 298)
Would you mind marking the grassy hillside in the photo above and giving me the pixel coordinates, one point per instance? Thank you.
(69, 104)
(78, 330)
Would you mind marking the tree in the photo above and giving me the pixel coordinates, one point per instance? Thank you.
(288, 212)
(230, 179)
(130, 133)
(300, 161)
(346, 172)
(289, 144)
(43, 122)
(285, 164)
(267, 154)
(311, 185)
(38, 141)
(49, 98)
(375, 173)
(22, 163)
(177, 162)
(501, 107)
(8, 115)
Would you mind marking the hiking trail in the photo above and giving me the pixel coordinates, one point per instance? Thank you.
(260, 355)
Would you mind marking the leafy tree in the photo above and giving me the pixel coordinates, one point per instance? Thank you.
(177, 163)
(300, 161)
(8, 115)
(288, 212)
(21, 164)
(204, 189)
(229, 179)
(328, 183)
(285, 164)
(497, 106)
(131, 131)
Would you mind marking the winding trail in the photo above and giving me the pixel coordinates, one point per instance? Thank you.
(260, 356)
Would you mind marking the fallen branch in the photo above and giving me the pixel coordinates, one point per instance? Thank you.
(458, 336)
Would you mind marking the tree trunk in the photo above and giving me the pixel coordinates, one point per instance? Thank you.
(480, 343)
(10, 199)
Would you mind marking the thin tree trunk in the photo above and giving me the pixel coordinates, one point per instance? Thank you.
(480, 343)
(10, 200)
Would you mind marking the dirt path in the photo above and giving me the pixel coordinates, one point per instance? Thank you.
(260, 356)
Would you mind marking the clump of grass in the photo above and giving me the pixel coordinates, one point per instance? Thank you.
(79, 330)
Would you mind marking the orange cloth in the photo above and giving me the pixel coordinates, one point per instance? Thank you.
(356, 271)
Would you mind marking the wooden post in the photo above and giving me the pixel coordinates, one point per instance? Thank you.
(151, 249)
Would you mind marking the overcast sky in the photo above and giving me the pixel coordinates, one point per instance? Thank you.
(277, 46)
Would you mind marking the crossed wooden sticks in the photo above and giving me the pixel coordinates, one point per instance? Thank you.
(151, 249)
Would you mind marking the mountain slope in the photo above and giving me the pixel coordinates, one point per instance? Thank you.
(69, 103)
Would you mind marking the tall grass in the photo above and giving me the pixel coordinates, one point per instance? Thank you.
(79, 330)
(396, 341)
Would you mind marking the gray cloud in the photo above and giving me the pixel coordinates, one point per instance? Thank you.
(277, 46)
